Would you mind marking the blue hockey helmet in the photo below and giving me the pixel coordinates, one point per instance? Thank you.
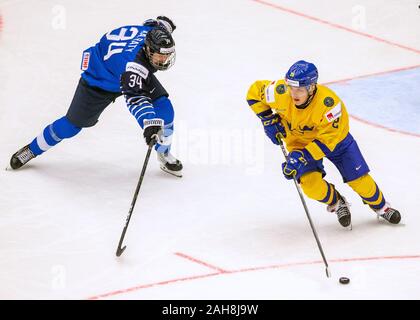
(302, 74)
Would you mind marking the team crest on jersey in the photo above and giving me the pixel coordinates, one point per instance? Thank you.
(280, 89)
(329, 102)
(334, 113)
(85, 61)
(301, 130)
(306, 128)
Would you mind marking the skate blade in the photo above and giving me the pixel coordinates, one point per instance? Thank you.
(174, 173)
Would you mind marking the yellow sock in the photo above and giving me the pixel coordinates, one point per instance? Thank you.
(315, 187)
(369, 191)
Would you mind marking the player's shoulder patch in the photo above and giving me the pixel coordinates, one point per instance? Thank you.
(137, 68)
(334, 113)
(281, 88)
(329, 102)
(85, 60)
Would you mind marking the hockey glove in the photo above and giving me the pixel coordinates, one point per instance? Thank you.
(167, 23)
(296, 160)
(272, 126)
(152, 129)
(161, 21)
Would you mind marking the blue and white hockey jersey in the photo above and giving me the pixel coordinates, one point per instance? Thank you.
(117, 63)
(103, 64)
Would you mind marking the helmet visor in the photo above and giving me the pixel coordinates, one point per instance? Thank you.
(162, 60)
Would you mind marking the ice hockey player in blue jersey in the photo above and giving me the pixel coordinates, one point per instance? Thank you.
(123, 62)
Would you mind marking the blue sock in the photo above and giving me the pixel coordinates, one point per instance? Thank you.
(164, 110)
(165, 146)
(53, 134)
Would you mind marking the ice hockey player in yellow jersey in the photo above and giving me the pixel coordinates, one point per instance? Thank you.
(314, 124)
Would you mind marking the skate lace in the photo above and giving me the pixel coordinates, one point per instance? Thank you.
(342, 212)
(342, 209)
(25, 155)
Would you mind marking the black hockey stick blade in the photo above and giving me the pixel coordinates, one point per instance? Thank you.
(120, 251)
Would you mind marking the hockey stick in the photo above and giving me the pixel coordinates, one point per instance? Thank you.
(327, 269)
(133, 202)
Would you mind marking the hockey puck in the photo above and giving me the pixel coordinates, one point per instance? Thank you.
(344, 280)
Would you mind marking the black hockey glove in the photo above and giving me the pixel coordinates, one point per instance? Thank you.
(152, 129)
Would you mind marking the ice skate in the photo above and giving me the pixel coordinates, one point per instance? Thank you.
(389, 214)
(21, 157)
(170, 164)
(341, 208)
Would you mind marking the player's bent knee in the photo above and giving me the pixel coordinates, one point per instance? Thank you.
(361, 180)
(313, 185)
(64, 129)
(364, 182)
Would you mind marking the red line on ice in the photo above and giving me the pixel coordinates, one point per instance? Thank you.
(330, 261)
(385, 128)
(373, 74)
(150, 285)
(335, 25)
(182, 255)
(377, 74)
(277, 266)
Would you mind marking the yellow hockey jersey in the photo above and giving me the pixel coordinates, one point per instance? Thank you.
(318, 128)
